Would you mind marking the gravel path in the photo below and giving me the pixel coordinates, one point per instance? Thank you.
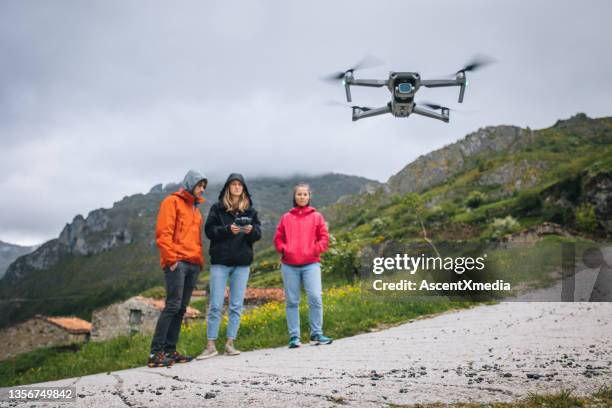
(488, 353)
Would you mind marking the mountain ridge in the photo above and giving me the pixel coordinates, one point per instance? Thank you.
(10, 252)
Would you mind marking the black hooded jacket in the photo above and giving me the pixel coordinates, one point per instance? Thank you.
(225, 247)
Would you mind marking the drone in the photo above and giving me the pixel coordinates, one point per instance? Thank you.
(403, 87)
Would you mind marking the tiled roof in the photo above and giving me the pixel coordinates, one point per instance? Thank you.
(72, 325)
(159, 304)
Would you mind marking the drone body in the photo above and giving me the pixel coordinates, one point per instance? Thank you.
(403, 87)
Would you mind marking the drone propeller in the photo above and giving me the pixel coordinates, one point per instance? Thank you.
(344, 105)
(477, 63)
(434, 106)
(367, 62)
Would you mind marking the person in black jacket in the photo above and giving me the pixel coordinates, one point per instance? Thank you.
(232, 227)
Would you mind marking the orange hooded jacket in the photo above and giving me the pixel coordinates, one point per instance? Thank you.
(179, 229)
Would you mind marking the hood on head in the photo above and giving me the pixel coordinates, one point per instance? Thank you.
(192, 178)
(232, 177)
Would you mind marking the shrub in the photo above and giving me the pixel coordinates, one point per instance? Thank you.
(474, 199)
(503, 226)
(379, 226)
(528, 201)
(557, 213)
(585, 217)
(341, 260)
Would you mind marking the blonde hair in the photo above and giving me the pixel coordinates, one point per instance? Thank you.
(241, 205)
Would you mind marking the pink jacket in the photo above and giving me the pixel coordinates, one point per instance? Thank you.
(301, 236)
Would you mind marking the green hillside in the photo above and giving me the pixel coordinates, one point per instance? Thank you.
(497, 181)
(561, 174)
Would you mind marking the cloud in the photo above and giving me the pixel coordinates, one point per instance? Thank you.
(102, 100)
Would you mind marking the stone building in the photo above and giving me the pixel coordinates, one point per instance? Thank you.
(135, 315)
(43, 331)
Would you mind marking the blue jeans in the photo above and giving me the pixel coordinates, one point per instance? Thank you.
(238, 275)
(310, 276)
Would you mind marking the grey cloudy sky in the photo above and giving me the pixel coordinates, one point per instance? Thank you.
(102, 99)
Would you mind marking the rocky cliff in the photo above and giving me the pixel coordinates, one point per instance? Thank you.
(10, 252)
(438, 166)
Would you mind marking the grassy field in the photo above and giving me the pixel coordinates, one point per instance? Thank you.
(346, 313)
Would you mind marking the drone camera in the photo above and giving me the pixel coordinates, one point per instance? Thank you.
(405, 88)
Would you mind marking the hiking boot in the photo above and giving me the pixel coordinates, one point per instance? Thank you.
(230, 350)
(159, 359)
(207, 353)
(317, 339)
(178, 357)
(294, 342)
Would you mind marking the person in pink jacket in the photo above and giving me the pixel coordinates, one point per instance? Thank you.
(301, 237)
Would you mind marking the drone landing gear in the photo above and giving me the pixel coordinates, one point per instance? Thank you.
(444, 116)
(360, 113)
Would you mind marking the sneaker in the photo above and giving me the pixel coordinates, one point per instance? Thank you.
(207, 353)
(317, 339)
(178, 357)
(294, 342)
(230, 350)
(159, 360)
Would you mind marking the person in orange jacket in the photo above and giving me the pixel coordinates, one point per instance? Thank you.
(179, 239)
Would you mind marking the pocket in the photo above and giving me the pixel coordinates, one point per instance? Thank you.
(290, 255)
(313, 251)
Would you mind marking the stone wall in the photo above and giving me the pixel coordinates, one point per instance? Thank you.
(119, 320)
(35, 333)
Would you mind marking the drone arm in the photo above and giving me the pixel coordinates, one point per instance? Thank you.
(350, 80)
(431, 114)
(375, 83)
(458, 81)
(436, 83)
(462, 91)
(360, 114)
(347, 89)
